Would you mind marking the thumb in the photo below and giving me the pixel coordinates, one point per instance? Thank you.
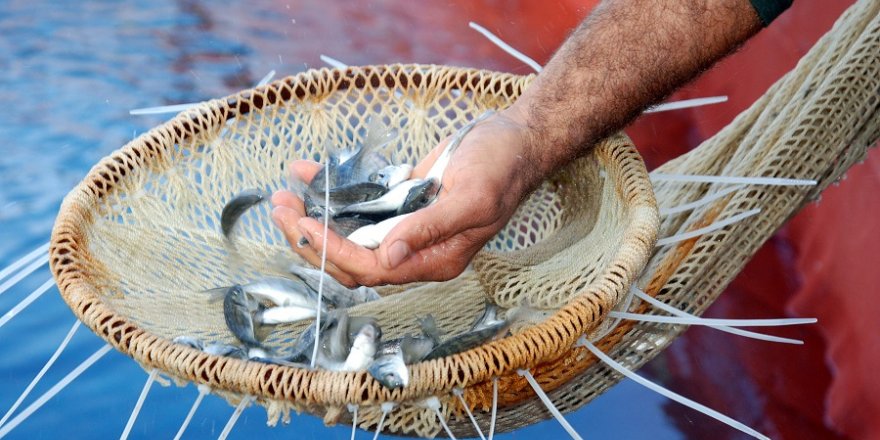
(426, 227)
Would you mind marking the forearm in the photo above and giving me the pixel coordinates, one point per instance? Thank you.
(627, 55)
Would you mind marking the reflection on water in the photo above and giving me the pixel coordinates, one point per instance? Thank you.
(69, 73)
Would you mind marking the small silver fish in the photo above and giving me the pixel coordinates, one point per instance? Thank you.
(305, 343)
(392, 175)
(340, 197)
(238, 309)
(486, 327)
(276, 290)
(336, 294)
(190, 342)
(221, 349)
(403, 198)
(389, 368)
(363, 348)
(237, 206)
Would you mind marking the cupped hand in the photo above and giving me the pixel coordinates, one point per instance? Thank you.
(489, 174)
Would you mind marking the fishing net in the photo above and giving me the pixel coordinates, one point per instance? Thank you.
(139, 239)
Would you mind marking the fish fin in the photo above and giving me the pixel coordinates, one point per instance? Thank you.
(216, 294)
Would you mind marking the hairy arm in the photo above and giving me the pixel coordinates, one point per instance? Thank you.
(627, 55)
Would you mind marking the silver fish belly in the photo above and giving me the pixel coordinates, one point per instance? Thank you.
(363, 348)
(284, 315)
(282, 292)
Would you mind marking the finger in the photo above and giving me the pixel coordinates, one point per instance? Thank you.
(304, 170)
(288, 200)
(286, 219)
(352, 264)
(449, 216)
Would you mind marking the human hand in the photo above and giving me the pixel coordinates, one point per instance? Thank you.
(489, 174)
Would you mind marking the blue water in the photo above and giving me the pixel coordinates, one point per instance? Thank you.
(69, 74)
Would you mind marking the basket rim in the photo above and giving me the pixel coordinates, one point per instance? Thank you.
(555, 336)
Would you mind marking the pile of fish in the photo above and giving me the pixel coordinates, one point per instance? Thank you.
(362, 193)
(363, 196)
(347, 343)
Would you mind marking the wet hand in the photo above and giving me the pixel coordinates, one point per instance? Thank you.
(487, 178)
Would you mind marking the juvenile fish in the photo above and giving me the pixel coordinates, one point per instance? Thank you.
(190, 342)
(336, 294)
(239, 204)
(238, 309)
(389, 368)
(365, 160)
(221, 349)
(363, 348)
(276, 290)
(405, 197)
(486, 327)
(391, 175)
(340, 197)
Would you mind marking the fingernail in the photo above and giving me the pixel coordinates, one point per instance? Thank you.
(397, 252)
(277, 217)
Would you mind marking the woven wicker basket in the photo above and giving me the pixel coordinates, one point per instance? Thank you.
(139, 238)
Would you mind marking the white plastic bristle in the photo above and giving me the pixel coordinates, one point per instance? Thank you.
(739, 332)
(31, 256)
(386, 408)
(323, 265)
(506, 47)
(34, 265)
(494, 407)
(163, 109)
(5, 429)
(353, 409)
(549, 404)
(778, 322)
(333, 62)
(686, 103)
(705, 230)
(27, 301)
(245, 401)
(460, 394)
(701, 202)
(192, 411)
(140, 403)
(741, 180)
(433, 403)
(265, 80)
(42, 372)
(669, 394)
